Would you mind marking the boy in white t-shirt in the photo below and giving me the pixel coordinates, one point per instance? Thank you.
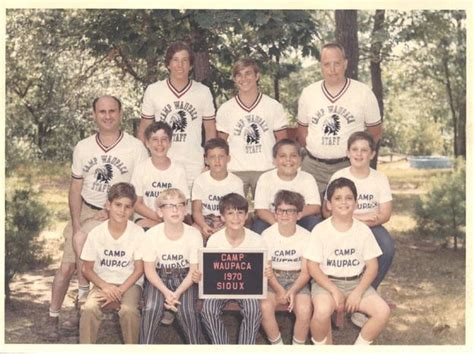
(342, 259)
(288, 176)
(374, 202)
(286, 242)
(170, 255)
(210, 186)
(112, 262)
(156, 174)
(234, 211)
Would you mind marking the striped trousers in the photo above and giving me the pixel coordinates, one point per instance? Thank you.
(212, 319)
(154, 308)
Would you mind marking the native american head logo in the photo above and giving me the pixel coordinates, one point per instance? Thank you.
(178, 121)
(332, 125)
(252, 135)
(104, 173)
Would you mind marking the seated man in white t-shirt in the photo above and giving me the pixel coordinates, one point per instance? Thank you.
(210, 186)
(287, 176)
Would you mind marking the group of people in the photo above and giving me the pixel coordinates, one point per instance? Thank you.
(142, 207)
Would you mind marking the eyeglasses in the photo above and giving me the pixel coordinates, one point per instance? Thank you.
(173, 206)
(280, 211)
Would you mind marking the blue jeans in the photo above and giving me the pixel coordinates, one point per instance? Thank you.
(387, 245)
(308, 222)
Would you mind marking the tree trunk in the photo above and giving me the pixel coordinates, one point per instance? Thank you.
(375, 67)
(346, 35)
(201, 67)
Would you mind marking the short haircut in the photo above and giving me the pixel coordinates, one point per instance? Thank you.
(339, 183)
(216, 143)
(122, 190)
(363, 135)
(283, 142)
(160, 125)
(245, 63)
(94, 103)
(290, 198)
(177, 47)
(169, 194)
(233, 201)
(334, 45)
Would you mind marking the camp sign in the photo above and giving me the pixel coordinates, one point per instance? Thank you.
(232, 274)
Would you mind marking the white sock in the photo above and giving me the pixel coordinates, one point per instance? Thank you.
(362, 341)
(277, 341)
(315, 342)
(298, 342)
(53, 313)
(83, 290)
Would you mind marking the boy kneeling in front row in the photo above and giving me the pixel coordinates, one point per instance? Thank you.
(112, 262)
(340, 248)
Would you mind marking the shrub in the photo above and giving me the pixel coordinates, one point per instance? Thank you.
(25, 217)
(441, 212)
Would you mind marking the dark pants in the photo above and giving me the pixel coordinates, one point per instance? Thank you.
(387, 245)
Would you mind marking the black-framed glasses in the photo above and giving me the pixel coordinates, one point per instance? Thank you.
(280, 211)
(173, 206)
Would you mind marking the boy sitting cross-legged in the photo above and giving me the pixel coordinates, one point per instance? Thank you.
(286, 242)
(210, 186)
(113, 264)
(342, 259)
(234, 236)
(170, 255)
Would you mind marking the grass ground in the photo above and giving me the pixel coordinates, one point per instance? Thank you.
(427, 281)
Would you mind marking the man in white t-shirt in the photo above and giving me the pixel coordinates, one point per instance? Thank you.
(113, 263)
(186, 105)
(156, 174)
(251, 122)
(99, 161)
(329, 111)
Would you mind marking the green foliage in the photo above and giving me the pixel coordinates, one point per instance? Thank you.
(25, 218)
(441, 212)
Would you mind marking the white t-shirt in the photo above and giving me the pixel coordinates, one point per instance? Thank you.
(286, 252)
(114, 258)
(210, 191)
(372, 190)
(251, 131)
(166, 253)
(184, 111)
(251, 240)
(269, 184)
(149, 181)
(332, 119)
(341, 254)
(101, 167)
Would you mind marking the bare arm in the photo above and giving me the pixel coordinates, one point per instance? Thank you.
(353, 299)
(376, 131)
(111, 292)
(187, 281)
(281, 134)
(310, 209)
(301, 134)
(145, 211)
(266, 215)
(222, 135)
(144, 123)
(376, 218)
(132, 279)
(209, 128)
(199, 218)
(75, 203)
(323, 281)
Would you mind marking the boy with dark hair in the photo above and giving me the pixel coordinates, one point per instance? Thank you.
(210, 186)
(286, 242)
(156, 174)
(234, 236)
(112, 262)
(342, 259)
(374, 202)
(287, 176)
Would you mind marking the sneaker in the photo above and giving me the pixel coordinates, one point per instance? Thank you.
(359, 319)
(168, 317)
(51, 329)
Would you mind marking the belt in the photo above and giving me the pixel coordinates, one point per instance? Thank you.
(91, 206)
(172, 271)
(328, 161)
(346, 278)
(279, 272)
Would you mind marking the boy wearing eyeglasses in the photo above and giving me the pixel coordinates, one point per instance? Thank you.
(286, 242)
(156, 174)
(170, 255)
(287, 176)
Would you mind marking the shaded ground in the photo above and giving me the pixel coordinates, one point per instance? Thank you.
(427, 283)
